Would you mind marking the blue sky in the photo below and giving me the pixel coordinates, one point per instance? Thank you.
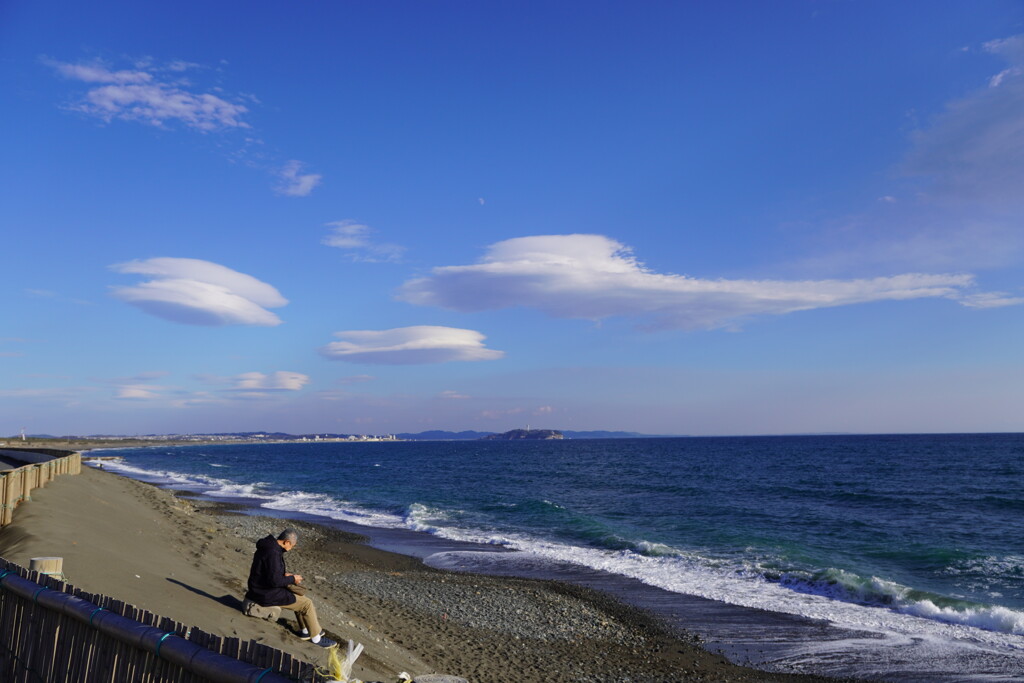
(370, 217)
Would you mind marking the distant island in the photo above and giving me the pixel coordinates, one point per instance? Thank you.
(533, 434)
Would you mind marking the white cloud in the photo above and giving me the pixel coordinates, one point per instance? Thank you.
(248, 385)
(181, 65)
(958, 200)
(197, 292)
(96, 73)
(449, 394)
(347, 235)
(198, 398)
(991, 300)
(974, 149)
(354, 237)
(139, 391)
(419, 344)
(918, 237)
(139, 95)
(1011, 49)
(293, 183)
(276, 381)
(594, 277)
(160, 95)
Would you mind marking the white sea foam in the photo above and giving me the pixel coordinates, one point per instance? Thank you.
(167, 477)
(656, 549)
(989, 566)
(744, 585)
(327, 506)
(990, 618)
(228, 489)
(429, 519)
(913, 638)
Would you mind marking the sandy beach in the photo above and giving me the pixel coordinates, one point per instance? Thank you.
(188, 559)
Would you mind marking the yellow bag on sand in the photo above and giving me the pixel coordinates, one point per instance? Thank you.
(339, 668)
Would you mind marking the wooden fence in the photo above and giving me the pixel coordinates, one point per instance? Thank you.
(51, 632)
(16, 485)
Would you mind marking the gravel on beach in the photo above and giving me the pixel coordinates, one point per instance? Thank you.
(487, 628)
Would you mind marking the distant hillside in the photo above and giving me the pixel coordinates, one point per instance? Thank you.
(605, 435)
(440, 435)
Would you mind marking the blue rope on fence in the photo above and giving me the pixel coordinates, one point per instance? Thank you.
(264, 673)
(35, 598)
(160, 642)
(92, 614)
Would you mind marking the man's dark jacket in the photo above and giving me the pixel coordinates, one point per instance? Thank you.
(266, 577)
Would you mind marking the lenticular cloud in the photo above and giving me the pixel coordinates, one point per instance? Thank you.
(197, 292)
(594, 277)
(419, 344)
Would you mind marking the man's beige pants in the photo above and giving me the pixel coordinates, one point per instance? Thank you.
(305, 614)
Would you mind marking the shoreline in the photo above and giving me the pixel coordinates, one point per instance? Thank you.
(187, 558)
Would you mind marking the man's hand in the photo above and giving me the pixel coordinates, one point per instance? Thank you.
(298, 579)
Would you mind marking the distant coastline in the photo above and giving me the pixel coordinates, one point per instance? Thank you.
(105, 441)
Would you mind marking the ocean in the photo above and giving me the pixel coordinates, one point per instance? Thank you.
(880, 557)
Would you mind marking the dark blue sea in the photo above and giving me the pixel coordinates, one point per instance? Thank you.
(881, 557)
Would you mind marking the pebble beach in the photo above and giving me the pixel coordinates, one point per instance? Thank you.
(188, 559)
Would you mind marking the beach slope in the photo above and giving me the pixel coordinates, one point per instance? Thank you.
(188, 560)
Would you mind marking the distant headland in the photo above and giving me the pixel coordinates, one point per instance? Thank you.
(518, 434)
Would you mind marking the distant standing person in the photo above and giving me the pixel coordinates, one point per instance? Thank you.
(269, 585)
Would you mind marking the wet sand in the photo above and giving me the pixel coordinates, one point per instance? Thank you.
(188, 559)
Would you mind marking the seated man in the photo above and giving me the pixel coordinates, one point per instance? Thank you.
(268, 585)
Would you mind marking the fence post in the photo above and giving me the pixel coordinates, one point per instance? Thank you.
(14, 491)
(26, 483)
(5, 509)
